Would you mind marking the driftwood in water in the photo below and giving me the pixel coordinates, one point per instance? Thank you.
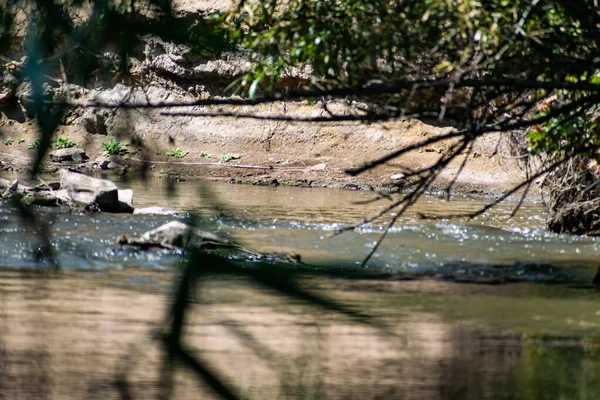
(175, 234)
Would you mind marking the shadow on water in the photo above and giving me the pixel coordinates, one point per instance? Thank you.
(94, 336)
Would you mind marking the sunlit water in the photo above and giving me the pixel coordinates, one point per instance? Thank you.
(305, 221)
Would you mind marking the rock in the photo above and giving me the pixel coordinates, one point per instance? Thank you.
(183, 62)
(78, 157)
(113, 165)
(115, 95)
(126, 196)
(8, 88)
(580, 218)
(318, 167)
(118, 169)
(47, 198)
(596, 280)
(397, 177)
(88, 191)
(6, 94)
(125, 200)
(101, 162)
(46, 186)
(24, 94)
(5, 184)
(94, 121)
(174, 233)
(155, 211)
(10, 188)
(71, 154)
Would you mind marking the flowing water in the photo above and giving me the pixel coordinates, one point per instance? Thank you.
(304, 221)
(531, 335)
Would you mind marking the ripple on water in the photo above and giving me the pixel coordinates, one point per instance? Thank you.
(304, 221)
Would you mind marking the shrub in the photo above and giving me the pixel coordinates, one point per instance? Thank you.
(114, 147)
(64, 143)
(34, 145)
(223, 158)
(177, 153)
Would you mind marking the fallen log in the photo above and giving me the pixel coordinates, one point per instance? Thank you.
(177, 235)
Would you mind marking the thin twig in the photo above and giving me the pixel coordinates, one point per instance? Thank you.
(500, 199)
(382, 160)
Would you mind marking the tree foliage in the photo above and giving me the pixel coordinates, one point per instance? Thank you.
(490, 65)
(493, 65)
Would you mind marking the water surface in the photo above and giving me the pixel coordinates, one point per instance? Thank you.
(534, 339)
(305, 221)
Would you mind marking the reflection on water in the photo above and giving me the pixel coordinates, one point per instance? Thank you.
(65, 338)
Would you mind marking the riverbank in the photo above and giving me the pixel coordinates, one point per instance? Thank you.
(267, 144)
(268, 153)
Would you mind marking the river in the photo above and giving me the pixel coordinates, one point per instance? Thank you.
(493, 307)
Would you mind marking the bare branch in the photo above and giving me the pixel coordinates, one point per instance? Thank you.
(508, 194)
(398, 153)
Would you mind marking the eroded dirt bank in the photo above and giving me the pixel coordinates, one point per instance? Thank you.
(270, 152)
(294, 153)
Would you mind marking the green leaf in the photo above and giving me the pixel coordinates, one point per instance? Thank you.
(253, 88)
(444, 67)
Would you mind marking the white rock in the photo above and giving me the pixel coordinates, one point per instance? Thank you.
(126, 200)
(70, 154)
(86, 190)
(318, 167)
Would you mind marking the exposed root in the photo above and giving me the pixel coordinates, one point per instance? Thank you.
(573, 181)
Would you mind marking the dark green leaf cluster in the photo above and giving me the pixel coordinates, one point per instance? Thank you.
(114, 147)
(352, 41)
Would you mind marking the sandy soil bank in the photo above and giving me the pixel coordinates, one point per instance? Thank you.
(292, 153)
